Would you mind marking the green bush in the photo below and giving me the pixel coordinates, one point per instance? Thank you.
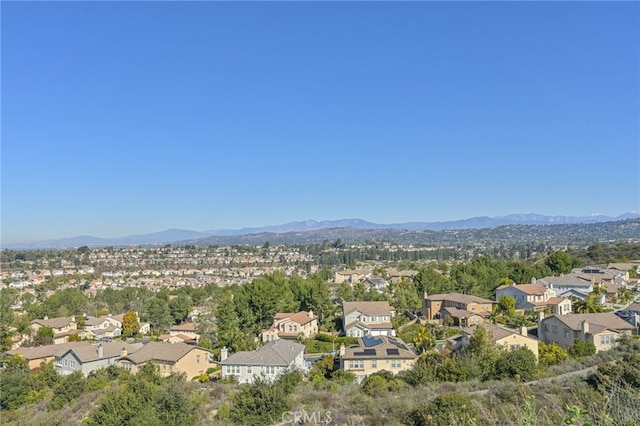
(374, 385)
(446, 409)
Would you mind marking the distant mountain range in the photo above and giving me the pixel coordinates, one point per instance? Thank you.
(312, 230)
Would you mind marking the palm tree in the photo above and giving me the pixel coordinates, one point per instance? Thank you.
(588, 305)
(424, 341)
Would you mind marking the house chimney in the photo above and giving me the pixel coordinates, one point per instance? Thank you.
(223, 353)
(310, 313)
(585, 327)
(123, 352)
(343, 349)
(524, 330)
(100, 351)
(540, 316)
(533, 280)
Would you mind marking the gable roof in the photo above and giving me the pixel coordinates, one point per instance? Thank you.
(187, 326)
(47, 350)
(367, 308)
(458, 298)
(459, 313)
(89, 320)
(379, 347)
(301, 317)
(606, 320)
(531, 289)
(152, 351)
(277, 352)
(109, 350)
(495, 332)
(567, 280)
(54, 322)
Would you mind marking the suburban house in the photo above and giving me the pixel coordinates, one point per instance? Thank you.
(509, 339)
(396, 276)
(63, 327)
(351, 276)
(39, 354)
(118, 320)
(601, 329)
(461, 317)
(435, 304)
(100, 328)
(536, 297)
(187, 329)
(367, 319)
(600, 276)
(376, 283)
(373, 354)
(625, 268)
(288, 325)
(267, 362)
(90, 358)
(174, 358)
(565, 284)
(633, 314)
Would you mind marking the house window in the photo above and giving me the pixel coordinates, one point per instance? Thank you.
(567, 334)
(72, 364)
(396, 363)
(126, 366)
(357, 363)
(607, 339)
(198, 359)
(374, 364)
(514, 347)
(64, 362)
(248, 369)
(546, 327)
(554, 329)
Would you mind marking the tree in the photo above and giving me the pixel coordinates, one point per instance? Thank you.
(581, 349)
(507, 304)
(551, 354)
(424, 341)
(130, 324)
(180, 307)
(519, 364)
(588, 305)
(159, 314)
(374, 385)
(44, 336)
(561, 263)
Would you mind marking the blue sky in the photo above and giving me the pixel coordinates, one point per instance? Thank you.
(121, 118)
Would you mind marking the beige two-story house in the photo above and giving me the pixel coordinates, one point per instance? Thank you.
(536, 297)
(173, 358)
(601, 329)
(373, 354)
(289, 325)
(367, 319)
(62, 327)
(467, 306)
(503, 336)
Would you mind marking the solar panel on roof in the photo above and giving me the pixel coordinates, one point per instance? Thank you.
(366, 352)
(371, 341)
(393, 352)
